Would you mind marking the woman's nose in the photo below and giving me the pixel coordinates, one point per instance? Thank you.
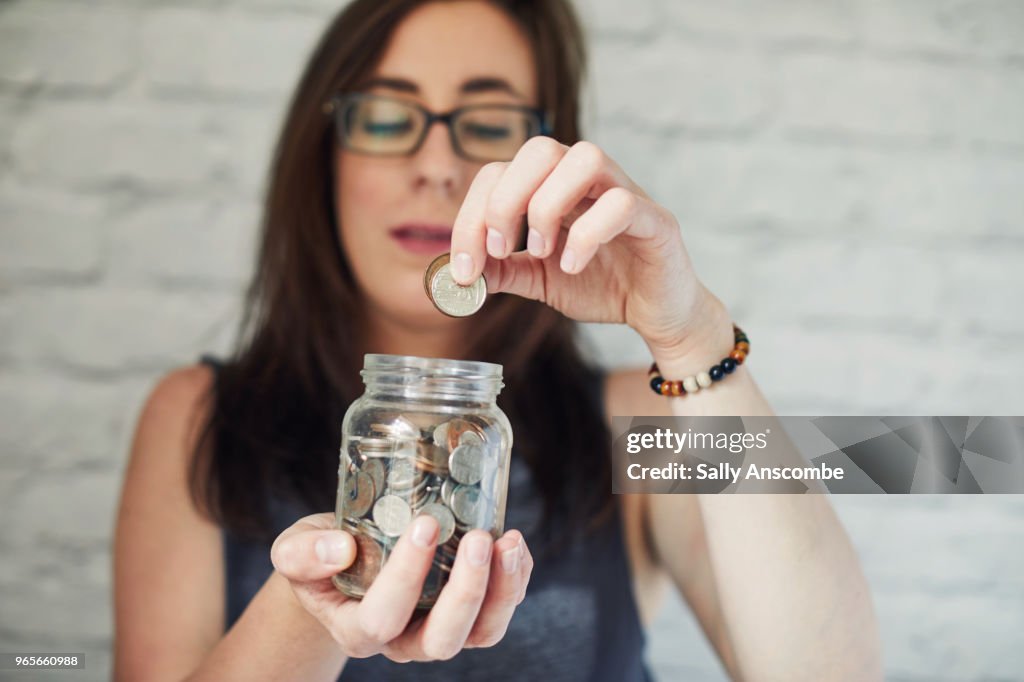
(436, 163)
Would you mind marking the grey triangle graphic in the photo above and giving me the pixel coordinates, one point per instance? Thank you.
(956, 429)
(966, 482)
(929, 439)
(887, 460)
(997, 439)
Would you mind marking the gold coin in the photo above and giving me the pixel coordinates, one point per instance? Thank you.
(447, 295)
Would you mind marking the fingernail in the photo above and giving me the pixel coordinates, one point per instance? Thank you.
(568, 260)
(424, 531)
(535, 243)
(462, 266)
(495, 243)
(479, 550)
(510, 559)
(331, 549)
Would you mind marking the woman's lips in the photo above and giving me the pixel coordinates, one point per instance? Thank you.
(423, 238)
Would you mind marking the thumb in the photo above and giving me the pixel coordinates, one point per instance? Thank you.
(302, 553)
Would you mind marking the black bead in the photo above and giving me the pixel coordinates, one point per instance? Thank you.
(716, 373)
(728, 365)
(656, 384)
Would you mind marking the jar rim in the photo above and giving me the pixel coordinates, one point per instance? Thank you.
(442, 367)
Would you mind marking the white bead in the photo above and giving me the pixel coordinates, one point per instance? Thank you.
(690, 384)
(704, 379)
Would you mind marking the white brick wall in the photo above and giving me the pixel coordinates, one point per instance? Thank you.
(848, 175)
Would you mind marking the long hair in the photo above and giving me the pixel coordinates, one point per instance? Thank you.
(274, 414)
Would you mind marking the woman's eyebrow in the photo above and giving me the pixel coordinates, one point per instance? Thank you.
(399, 84)
(489, 84)
(471, 86)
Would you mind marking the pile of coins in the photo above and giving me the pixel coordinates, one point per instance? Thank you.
(447, 295)
(397, 471)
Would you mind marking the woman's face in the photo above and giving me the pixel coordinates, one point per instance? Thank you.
(443, 55)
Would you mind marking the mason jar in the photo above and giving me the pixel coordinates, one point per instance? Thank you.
(426, 437)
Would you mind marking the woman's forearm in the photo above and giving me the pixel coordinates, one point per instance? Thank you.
(274, 639)
(795, 602)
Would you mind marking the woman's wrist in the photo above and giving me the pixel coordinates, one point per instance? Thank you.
(274, 638)
(704, 343)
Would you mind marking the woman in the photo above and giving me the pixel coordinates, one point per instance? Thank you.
(234, 464)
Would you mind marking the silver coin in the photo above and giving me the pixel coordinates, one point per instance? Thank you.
(465, 464)
(358, 494)
(376, 470)
(450, 297)
(441, 435)
(363, 526)
(392, 515)
(466, 504)
(471, 438)
(447, 486)
(414, 494)
(457, 429)
(402, 474)
(445, 520)
(489, 477)
(375, 447)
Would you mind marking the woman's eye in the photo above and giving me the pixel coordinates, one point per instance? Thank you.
(387, 128)
(486, 132)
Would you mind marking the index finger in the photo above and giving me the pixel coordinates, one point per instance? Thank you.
(469, 232)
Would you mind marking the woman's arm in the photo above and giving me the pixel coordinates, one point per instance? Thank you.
(168, 570)
(794, 602)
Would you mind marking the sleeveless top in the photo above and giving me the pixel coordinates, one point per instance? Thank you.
(579, 620)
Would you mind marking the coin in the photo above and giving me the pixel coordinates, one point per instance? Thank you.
(403, 474)
(359, 493)
(445, 520)
(471, 438)
(376, 470)
(369, 557)
(375, 447)
(465, 464)
(441, 435)
(447, 295)
(392, 515)
(446, 491)
(465, 504)
(456, 430)
(432, 459)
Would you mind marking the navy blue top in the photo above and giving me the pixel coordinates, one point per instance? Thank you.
(578, 621)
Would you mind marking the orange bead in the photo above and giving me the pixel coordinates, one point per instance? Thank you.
(743, 346)
(677, 388)
(666, 387)
(739, 356)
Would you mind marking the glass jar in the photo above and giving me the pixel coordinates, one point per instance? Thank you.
(426, 437)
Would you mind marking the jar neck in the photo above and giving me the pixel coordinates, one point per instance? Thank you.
(433, 379)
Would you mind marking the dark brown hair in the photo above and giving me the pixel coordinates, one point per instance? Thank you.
(274, 416)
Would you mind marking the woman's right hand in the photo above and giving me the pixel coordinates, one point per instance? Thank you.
(487, 582)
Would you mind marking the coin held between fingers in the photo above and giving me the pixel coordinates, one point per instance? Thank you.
(447, 295)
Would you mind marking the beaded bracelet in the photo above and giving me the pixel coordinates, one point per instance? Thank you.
(692, 384)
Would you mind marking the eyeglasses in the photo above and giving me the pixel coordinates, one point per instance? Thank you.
(390, 126)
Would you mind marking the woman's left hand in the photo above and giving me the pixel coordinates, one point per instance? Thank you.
(599, 249)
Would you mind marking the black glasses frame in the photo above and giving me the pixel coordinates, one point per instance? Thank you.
(337, 105)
